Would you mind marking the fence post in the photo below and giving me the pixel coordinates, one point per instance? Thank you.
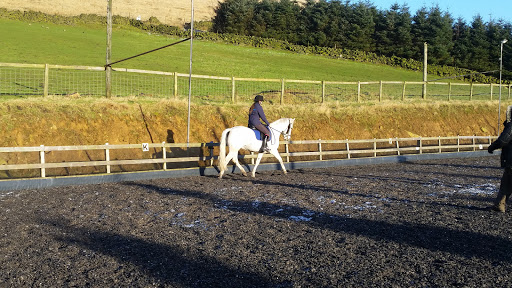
(41, 156)
(374, 147)
(164, 155)
(458, 143)
(211, 154)
(509, 90)
(474, 143)
(323, 91)
(320, 149)
(397, 147)
(421, 145)
(46, 76)
(107, 158)
(403, 92)
(491, 90)
(471, 92)
(348, 150)
(175, 85)
(282, 92)
(449, 91)
(380, 91)
(233, 90)
(439, 143)
(358, 91)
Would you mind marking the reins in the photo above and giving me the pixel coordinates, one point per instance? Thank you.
(285, 134)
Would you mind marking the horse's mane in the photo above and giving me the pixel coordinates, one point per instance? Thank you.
(278, 121)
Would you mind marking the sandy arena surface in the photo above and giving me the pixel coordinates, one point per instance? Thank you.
(419, 224)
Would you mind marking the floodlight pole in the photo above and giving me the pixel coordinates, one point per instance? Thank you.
(108, 69)
(190, 68)
(501, 67)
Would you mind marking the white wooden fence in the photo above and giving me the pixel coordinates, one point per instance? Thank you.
(44, 79)
(291, 151)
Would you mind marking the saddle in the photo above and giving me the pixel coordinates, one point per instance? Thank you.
(258, 133)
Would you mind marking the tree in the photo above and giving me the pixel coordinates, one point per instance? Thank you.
(419, 30)
(393, 32)
(461, 44)
(361, 27)
(316, 21)
(478, 46)
(234, 16)
(439, 36)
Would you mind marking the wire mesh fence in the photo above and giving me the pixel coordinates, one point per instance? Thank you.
(19, 80)
(76, 82)
(141, 84)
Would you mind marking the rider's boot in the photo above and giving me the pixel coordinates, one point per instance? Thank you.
(264, 146)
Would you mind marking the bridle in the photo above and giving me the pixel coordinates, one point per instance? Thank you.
(287, 132)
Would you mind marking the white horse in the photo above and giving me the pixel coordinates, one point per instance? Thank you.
(240, 137)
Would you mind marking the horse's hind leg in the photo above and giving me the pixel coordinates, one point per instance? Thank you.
(234, 157)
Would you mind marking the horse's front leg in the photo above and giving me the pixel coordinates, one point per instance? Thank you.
(253, 173)
(278, 157)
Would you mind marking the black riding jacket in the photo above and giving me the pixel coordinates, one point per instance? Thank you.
(504, 142)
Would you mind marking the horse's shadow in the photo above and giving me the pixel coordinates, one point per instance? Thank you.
(200, 153)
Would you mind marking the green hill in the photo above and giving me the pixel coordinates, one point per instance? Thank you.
(46, 43)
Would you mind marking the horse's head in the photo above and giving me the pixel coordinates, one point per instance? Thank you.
(283, 126)
(288, 134)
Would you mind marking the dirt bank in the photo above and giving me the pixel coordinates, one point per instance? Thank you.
(62, 121)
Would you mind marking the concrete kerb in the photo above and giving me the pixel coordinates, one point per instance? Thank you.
(38, 183)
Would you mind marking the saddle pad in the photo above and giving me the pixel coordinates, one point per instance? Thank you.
(259, 135)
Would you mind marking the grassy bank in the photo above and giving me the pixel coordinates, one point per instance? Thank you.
(85, 45)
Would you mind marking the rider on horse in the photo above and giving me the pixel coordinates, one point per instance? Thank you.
(255, 113)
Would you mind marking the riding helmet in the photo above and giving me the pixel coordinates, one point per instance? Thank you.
(258, 98)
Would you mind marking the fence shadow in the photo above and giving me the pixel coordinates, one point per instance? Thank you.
(166, 263)
(434, 238)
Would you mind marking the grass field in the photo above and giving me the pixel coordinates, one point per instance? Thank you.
(76, 45)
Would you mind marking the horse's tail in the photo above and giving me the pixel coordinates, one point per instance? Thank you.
(222, 154)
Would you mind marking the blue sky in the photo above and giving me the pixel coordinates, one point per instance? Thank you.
(467, 9)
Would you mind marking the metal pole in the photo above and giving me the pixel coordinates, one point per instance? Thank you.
(108, 69)
(499, 102)
(190, 69)
(425, 70)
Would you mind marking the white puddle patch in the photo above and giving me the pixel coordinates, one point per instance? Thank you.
(486, 189)
(366, 205)
(5, 194)
(300, 218)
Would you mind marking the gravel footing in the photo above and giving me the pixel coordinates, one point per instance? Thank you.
(420, 224)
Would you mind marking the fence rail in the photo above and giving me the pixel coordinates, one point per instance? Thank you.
(204, 154)
(44, 79)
